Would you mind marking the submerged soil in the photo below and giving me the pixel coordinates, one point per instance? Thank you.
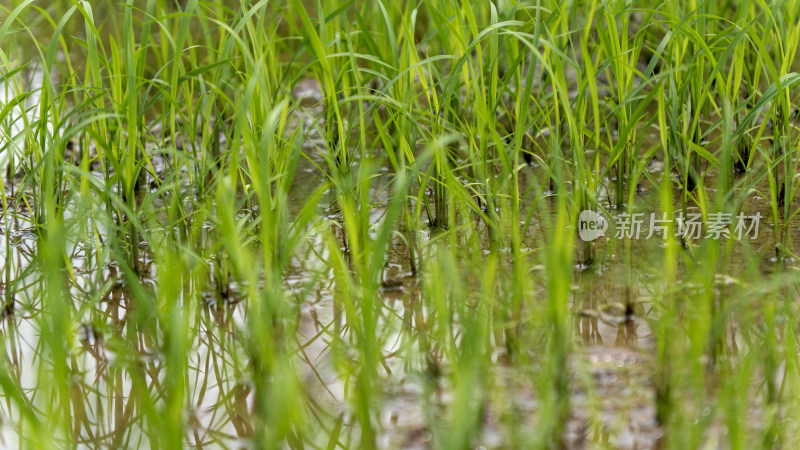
(612, 400)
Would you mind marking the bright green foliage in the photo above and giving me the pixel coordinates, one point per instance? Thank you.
(353, 224)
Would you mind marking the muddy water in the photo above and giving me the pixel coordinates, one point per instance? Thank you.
(612, 398)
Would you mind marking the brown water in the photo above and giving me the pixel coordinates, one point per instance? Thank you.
(612, 399)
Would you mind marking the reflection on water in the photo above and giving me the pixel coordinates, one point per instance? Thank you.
(117, 370)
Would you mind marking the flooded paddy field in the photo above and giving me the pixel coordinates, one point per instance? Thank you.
(420, 225)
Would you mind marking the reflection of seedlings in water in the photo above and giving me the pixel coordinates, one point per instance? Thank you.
(7, 309)
(240, 413)
(221, 309)
(221, 282)
(88, 334)
(118, 300)
(22, 237)
(92, 341)
(393, 277)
